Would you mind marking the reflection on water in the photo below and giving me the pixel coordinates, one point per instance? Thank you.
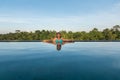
(58, 46)
(77, 61)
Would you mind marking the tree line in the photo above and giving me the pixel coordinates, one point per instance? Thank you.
(94, 34)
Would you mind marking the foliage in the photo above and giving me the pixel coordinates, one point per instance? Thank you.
(95, 34)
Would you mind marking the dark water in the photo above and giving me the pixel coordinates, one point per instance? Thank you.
(76, 61)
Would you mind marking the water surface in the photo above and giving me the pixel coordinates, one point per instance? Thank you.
(75, 61)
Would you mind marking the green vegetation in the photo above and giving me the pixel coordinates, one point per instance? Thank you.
(95, 34)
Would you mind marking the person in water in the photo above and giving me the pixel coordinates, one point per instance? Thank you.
(58, 41)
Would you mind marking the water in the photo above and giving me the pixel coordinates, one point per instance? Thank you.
(75, 61)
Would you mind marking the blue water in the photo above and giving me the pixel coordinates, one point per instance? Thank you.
(75, 61)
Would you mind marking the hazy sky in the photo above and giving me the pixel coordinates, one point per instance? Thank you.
(76, 15)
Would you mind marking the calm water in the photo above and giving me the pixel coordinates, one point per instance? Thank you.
(75, 61)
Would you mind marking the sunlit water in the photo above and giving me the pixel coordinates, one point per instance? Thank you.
(75, 61)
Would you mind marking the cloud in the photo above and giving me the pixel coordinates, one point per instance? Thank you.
(101, 20)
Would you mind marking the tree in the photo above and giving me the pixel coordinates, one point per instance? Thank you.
(17, 31)
(116, 28)
(94, 34)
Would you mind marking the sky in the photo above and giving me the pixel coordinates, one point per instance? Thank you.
(74, 15)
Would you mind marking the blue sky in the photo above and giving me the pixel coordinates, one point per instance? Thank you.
(75, 15)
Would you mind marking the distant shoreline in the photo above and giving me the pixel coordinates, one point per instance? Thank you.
(20, 40)
(74, 40)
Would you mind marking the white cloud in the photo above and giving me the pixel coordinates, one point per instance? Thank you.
(100, 20)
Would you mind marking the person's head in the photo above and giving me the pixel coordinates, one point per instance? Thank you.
(58, 47)
(58, 35)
